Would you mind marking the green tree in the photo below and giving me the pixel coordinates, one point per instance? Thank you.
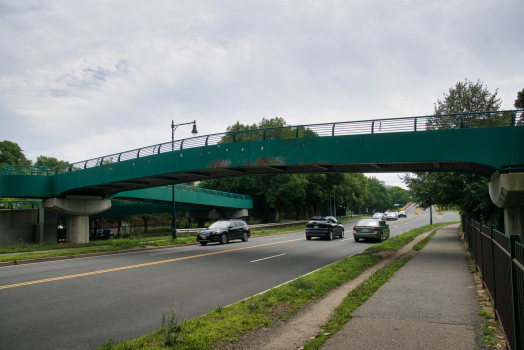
(467, 97)
(399, 195)
(12, 154)
(468, 191)
(519, 102)
(49, 161)
(382, 198)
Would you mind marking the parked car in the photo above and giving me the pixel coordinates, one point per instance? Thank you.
(371, 229)
(324, 226)
(392, 216)
(378, 216)
(402, 213)
(224, 231)
(105, 233)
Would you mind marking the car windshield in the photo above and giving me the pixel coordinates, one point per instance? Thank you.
(391, 214)
(318, 218)
(368, 222)
(219, 224)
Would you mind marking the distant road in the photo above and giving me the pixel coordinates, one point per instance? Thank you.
(80, 303)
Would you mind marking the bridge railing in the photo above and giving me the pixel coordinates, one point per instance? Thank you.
(500, 259)
(421, 123)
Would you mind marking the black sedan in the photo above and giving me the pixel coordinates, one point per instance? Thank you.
(224, 231)
(324, 226)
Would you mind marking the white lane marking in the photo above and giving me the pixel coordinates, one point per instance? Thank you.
(174, 251)
(269, 257)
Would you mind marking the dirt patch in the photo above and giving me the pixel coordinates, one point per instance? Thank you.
(294, 332)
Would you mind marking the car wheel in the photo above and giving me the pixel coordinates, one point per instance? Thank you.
(245, 237)
(356, 239)
(203, 243)
(223, 239)
(330, 235)
(342, 234)
(381, 239)
(308, 238)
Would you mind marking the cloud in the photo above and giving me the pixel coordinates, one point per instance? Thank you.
(84, 79)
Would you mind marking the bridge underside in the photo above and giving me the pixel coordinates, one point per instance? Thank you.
(108, 189)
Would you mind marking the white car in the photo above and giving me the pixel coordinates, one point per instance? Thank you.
(392, 216)
(402, 213)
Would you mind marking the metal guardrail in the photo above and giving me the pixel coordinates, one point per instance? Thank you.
(500, 259)
(421, 123)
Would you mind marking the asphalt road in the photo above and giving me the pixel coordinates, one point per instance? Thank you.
(80, 303)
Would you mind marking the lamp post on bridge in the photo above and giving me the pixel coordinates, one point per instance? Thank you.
(173, 129)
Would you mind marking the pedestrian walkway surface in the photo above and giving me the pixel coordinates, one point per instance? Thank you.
(430, 303)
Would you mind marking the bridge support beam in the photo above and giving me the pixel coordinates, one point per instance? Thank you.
(77, 209)
(48, 225)
(507, 192)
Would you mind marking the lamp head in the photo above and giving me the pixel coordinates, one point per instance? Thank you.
(194, 131)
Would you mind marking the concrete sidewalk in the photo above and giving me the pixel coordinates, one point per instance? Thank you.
(430, 303)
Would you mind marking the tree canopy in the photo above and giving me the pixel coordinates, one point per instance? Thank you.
(519, 102)
(468, 191)
(466, 97)
(49, 161)
(12, 154)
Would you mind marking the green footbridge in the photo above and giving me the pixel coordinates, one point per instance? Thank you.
(488, 143)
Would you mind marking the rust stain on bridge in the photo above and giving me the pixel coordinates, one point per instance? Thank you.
(263, 161)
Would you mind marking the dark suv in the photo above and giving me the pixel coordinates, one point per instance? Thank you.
(224, 231)
(324, 226)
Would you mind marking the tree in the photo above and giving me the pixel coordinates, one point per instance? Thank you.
(49, 161)
(399, 195)
(12, 154)
(466, 97)
(468, 191)
(382, 198)
(519, 102)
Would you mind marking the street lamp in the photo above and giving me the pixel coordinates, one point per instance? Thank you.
(173, 129)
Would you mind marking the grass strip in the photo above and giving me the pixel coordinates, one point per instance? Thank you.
(354, 299)
(399, 241)
(226, 324)
(420, 245)
(109, 245)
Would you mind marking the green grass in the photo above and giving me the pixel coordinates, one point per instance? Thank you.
(399, 241)
(91, 247)
(226, 324)
(424, 242)
(354, 299)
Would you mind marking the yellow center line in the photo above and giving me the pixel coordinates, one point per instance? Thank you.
(135, 266)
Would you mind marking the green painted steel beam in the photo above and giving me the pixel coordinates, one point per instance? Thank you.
(479, 150)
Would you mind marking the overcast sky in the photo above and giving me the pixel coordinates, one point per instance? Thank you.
(81, 79)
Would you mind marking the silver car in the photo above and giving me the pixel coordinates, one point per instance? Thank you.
(371, 229)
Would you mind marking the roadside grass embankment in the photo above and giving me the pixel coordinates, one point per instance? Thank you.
(227, 324)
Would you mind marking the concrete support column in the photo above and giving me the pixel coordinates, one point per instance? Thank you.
(507, 191)
(77, 209)
(48, 225)
(77, 229)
